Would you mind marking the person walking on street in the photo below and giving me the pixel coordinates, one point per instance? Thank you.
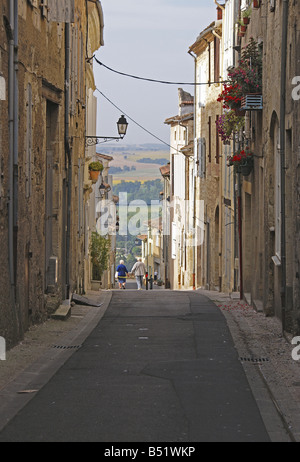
(139, 270)
(122, 274)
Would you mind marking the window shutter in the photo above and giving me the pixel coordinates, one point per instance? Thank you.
(201, 157)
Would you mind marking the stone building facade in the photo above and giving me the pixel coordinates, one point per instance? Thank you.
(179, 221)
(270, 197)
(43, 57)
(207, 154)
(250, 221)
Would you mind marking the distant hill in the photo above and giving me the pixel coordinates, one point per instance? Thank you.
(148, 160)
(147, 192)
(132, 148)
(136, 162)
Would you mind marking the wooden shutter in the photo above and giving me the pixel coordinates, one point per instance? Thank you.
(216, 59)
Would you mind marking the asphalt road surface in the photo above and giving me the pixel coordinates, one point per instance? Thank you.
(160, 366)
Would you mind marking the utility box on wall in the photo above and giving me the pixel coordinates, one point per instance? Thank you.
(2, 88)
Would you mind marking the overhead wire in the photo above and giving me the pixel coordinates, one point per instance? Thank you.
(135, 122)
(148, 80)
(166, 82)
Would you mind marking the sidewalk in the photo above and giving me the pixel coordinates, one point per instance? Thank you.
(50, 335)
(261, 345)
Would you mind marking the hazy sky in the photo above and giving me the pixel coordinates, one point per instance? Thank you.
(147, 39)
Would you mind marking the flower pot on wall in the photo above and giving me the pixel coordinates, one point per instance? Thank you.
(256, 3)
(94, 175)
(243, 28)
(246, 20)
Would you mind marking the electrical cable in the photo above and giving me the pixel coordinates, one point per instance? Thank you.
(153, 80)
(139, 125)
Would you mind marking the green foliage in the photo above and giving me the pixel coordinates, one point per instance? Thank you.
(247, 13)
(99, 250)
(96, 166)
(148, 160)
(140, 191)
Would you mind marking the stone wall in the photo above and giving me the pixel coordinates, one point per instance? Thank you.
(43, 167)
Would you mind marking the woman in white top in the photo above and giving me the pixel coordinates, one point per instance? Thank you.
(139, 270)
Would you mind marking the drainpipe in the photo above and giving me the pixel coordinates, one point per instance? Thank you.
(16, 130)
(13, 116)
(285, 7)
(68, 155)
(11, 120)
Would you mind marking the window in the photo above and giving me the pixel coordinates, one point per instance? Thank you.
(28, 158)
(44, 8)
(216, 59)
(217, 143)
(2, 88)
(209, 139)
(174, 240)
(201, 157)
(272, 5)
(201, 89)
(157, 243)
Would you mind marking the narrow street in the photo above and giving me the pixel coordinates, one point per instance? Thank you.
(159, 366)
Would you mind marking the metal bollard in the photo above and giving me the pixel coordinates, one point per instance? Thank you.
(146, 281)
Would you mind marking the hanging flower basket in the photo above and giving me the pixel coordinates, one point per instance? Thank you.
(242, 161)
(244, 80)
(227, 124)
(246, 169)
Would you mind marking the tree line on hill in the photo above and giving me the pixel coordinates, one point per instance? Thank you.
(136, 190)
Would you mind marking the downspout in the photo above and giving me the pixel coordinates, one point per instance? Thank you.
(195, 167)
(16, 133)
(68, 155)
(282, 155)
(11, 120)
(13, 117)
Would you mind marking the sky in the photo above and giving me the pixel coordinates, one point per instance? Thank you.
(147, 39)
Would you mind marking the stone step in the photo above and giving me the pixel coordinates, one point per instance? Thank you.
(62, 313)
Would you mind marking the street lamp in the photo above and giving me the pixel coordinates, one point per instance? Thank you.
(102, 190)
(122, 125)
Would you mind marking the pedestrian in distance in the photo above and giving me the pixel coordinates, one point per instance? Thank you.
(122, 274)
(139, 270)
